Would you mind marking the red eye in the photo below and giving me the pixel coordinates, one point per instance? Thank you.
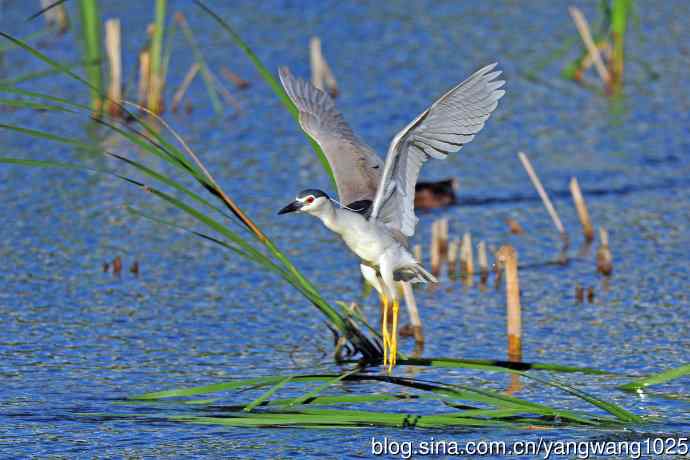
(310, 200)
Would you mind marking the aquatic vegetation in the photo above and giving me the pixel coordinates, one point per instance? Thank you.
(459, 405)
(606, 49)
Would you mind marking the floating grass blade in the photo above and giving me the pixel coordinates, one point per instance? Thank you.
(267, 395)
(354, 399)
(227, 386)
(315, 392)
(497, 365)
(488, 407)
(613, 409)
(655, 379)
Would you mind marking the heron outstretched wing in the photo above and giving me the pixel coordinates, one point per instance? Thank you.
(450, 122)
(356, 167)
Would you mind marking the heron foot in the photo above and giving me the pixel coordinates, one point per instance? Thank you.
(384, 330)
(394, 337)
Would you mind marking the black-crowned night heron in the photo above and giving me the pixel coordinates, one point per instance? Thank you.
(377, 213)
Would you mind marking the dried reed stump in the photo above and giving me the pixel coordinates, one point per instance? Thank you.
(506, 258)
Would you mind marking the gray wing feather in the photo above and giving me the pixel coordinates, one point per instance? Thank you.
(356, 167)
(445, 127)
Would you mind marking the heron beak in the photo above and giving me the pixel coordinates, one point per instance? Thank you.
(292, 207)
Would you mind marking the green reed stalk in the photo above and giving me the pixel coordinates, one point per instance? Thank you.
(157, 82)
(619, 22)
(92, 39)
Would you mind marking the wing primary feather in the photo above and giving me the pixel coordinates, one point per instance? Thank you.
(445, 127)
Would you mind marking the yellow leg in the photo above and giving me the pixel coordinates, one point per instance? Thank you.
(384, 330)
(394, 337)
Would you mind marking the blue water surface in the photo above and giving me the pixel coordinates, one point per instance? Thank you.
(75, 340)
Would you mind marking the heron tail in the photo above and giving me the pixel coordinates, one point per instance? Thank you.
(428, 277)
(415, 274)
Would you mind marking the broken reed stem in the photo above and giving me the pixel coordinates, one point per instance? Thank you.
(113, 50)
(542, 194)
(582, 213)
(209, 79)
(321, 74)
(452, 257)
(443, 235)
(514, 226)
(55, 15)
(483, 262)
(588, 61)
(583, 30)
(117, 265)
(238, 81)
(579, 293)
(466, 258)
(182, 90)
(412, 310)
(418, 252)
(229, 98)
(507, 257)
(435, 249)
(144, 77)
(604, 257)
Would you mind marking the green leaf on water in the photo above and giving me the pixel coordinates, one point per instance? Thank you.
(613, 409)
(655, 379)
(315, 392)
(267, 395)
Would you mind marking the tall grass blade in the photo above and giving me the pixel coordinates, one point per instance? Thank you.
(22, 104)
(272, 82)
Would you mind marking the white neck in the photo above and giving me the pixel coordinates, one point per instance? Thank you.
(328, 215)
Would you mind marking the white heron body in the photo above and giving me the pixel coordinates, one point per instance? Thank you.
(367, 239)
(377, 230)
(373, 242)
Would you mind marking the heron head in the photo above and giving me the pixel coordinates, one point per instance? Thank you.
(310, 201)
